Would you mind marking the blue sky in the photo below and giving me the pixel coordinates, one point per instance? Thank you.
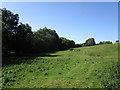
(74, 20)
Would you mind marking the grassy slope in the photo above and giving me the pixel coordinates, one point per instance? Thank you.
(91, 67)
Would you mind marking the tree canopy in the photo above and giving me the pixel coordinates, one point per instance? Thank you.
(105, 42)
(19, 38)
(90, 42)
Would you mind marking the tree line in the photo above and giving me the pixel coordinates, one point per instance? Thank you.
(18, 38)
(91, 42)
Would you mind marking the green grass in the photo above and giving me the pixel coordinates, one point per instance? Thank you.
(89, 67)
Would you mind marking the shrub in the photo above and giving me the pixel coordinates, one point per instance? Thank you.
(71, 49)
(46, 74)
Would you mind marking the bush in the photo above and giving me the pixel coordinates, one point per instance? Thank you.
(71, 49)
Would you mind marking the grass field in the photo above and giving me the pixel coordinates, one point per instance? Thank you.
(84, 67)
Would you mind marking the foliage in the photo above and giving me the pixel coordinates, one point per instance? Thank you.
(90, 42)
(0, 19)
(117, 41)
(71, 49)
(9, 29)
(66, 43)
(46, 40)
(78, 45)
(23, 39)
(18, 38)
(105, 42)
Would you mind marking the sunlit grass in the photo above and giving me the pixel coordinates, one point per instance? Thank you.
(91, 67)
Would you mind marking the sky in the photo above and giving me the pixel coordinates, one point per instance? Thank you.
(77, 21)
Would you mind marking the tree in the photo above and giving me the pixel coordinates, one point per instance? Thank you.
(46, 40)
(0, 31)
(117, 41)
(78, 45)
(23, 39)
(20, 39)
(9, 26)
(66, 43)
(105, 42)
(100, 43)
(16, 37)
(90, 42)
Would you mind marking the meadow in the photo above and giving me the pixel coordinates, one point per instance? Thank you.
(83, 67)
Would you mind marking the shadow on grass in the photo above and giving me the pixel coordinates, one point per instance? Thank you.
(6, 61)
(28, 58)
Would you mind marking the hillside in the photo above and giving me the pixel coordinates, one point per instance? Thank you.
(84, 67)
